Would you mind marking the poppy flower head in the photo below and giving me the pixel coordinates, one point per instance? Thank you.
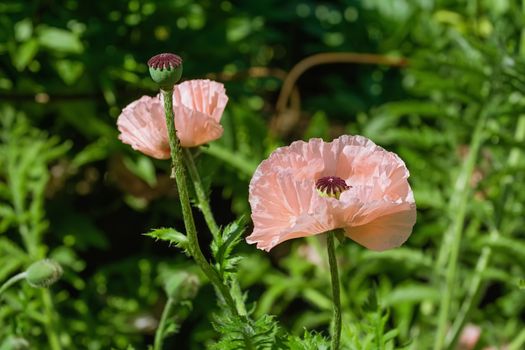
(164, 61)
(303, 190)
(331, 186)
(198, 106)
(165, 69)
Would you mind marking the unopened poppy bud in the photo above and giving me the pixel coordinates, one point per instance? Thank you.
(182, 286)
(43, 273)
(14, 343)
(165, 69)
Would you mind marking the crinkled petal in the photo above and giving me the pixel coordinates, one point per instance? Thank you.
(201, 95)
(198, 106)
(283, 208)
(385, 232)
(379, 193)
(195, 128)
(142, 125)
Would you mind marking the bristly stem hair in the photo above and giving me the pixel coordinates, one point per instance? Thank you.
(178, 172)
(334, 274)
(202, 200)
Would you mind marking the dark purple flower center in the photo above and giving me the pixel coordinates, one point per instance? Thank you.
(165, 60)
(331, 186)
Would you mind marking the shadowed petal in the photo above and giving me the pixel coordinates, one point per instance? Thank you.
(142, 125)
(385, 232)
(198, 106)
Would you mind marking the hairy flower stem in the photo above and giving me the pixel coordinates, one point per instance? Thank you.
(178, 172)
(161, 329)
(12, 281)
(334, 274)
(203, 203)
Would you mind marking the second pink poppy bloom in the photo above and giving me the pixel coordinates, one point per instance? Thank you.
(198, 106)
(313, 187)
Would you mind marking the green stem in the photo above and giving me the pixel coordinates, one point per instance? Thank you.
(203, 203)
(458, 203)
(486, 253)
(179, 174)
(11, 281)
(54, 342)
(334, 274)
(159, 334)
(472, 295)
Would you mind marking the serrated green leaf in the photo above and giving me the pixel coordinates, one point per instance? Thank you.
(172, 236)
(224, 243)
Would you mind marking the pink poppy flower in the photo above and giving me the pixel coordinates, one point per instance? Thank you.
(312, 187)
(198, 106)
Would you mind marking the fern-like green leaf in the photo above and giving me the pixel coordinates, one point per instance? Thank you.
(172, 236)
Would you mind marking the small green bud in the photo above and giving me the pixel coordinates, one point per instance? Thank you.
(182, 286)
(43, 273)
(165, 69)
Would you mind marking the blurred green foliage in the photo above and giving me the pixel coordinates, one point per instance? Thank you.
(70, 190)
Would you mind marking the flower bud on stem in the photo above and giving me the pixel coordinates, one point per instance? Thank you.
(40, 274)
(179, 174)
(43, 273)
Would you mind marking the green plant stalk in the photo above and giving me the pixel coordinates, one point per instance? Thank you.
(486, 253)
(472, 295)
(202, 200)
(336, 289)
(178, 172)
(459, 201)
(54, 342)
(31, 245)
(159, 334)
(11, 281)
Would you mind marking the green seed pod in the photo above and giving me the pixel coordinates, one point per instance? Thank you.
(165, 69)
(43, 273)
